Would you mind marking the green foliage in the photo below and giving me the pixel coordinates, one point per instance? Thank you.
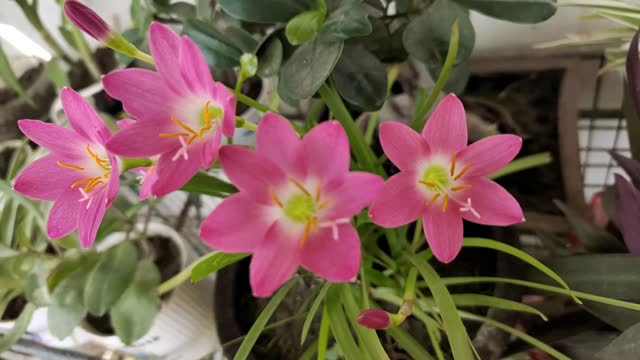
(213, 263)
(624, 347)
(268, 12)
(202, 183)
(10, 78)
(304, 27)
(360, 78)
(518, 11)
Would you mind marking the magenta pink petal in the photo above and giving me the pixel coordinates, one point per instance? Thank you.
(227, 229)
(45, 180)
(274, 261)
(443, 231)
(277, 140)
(492, 202)
(195, 70)
(83, 118)
(150, 177)
(114, 179)
(489, 154)
(357, 191)
(165, 49)
(399, 202)
(402, 145)
(124, 123)
(446, 129)
(210, 149)
(90, 219)
(227, 100)
(172, 175)
(53, 137)
(251, 172)
(325, 152)
(63, 217)
(142, 92)
(142, 139)
(336, 260)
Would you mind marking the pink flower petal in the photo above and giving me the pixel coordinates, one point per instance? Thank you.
(335, 260)
(124, 123)
(45, 180)
(403, 146)
(278, 141)
(210, 149)
(165, 49)
(83, 118)
(142, 139)
(358, 191)
(173, 174)
(251, 172)
(227, 100)
(150, 177)
(489, 154)
(226, 228)
(492, 202)
(114, 179)
(443, 231)
(53, 137)
(446, 129)
(274, 261)
(194, 68)
(143, 94)
(90, 219)
(325, 152)
(399, 203)
(627, 213)
(63, 217)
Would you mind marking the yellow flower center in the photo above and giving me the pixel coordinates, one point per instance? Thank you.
(441, 181)
(208, 120)
(91, 182)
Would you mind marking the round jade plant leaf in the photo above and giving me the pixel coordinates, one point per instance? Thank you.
(270, 56)
(218, 52)
(518, 11)
(269, 12)
(360, 78)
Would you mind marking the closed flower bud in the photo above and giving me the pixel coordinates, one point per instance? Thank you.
(375, 319)
(87, 20)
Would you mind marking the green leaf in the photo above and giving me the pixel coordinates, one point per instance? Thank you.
(56, 74)
(360, 78)
(21, 155)
(270, 56)
(218, 51)
(624, 347)
(6, 190)
(262, 320)
(369, 341)
(268, 12)
(36, 289)
(409, 343)
(8, 221)
(213, 263)
(18, 329)
(10, 78)
(205, 184)
(453, 326)
(518, 11)
(304, 27)
(339, 326)
(463, 300)
(350, 19)
(240, 38)
(427, 39)
(312, 312)
(110, 278)
(6, 252)
(523, 163)
(384, 44)
(310, 65)
(133, 314)
(323, 334)
(593, 237)
(182, 10)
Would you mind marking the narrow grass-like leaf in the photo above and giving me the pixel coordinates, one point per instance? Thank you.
(339, 325)
(510, 250)
(213, 263)
(202, 183)
(8, 221)
(453, 326)
(10, 78)
(323, 336)
(256, 329)
(5, 189)
(463, 300)
(523, 163)
(409, 343)
(369, 341)
(18, 329)
(312, 312)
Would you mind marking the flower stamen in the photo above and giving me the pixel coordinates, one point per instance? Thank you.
(69, 166)
(464, 170)
(274, 197)
(453, 164)
(428, 183)
(324, 204)
(97, 159)
(299, 186)
(305, 234)
(174, 134)
(317, 198)
(433, 199)
(460, 187)
(183, 125)
(445, 202)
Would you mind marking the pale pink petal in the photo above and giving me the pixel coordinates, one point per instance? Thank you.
(90, 219)
(227, 100)
(334, 260)
(124, 123)
(251, 172)
(165, 49)
(492, 202)
(210, 149)
(227, 228)
(358, 191)
(274, 261)
(446, 129)
(402, 145)
(150, 177)
(83, 118)
(142, 139)
(45, 180)
(172, 175)
(489, 154)
(277, 140)
(114, 179)
(399, 202)
(53, 137)
(194, 68)
(325, 152)
(63, 217)
(143, 94)
(443, 231)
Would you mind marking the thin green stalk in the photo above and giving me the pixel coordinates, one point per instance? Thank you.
(523, 163)
(245, 124)
(31, 13)
(180, 277)
(417, 236)
(85, 53)
(323, 336)
(365, 289)
(419, 117)
(313, 115)
(392, 75)
(251, 102)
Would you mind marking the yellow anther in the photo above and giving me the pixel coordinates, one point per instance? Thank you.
(428, 183)
(314, 224)
(97, 159)
(173, 134)
(445, 202)
(183, 125)
(299, 186)
(317, 193)
(324, 204)
(80, 182)
(93, 183)
(305, 234)
(464, 170)
(433, 199)
(460, 187)
(274, 197)
(69, 166)
(453, 164)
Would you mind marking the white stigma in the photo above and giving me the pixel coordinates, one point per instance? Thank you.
(182, 151)
(334, 226)
(468, 207)
(85, 197)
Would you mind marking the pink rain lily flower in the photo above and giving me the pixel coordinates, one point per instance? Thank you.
(294, 206)
(79, 174)
(147, 174)
(182, 113)
(443, 180)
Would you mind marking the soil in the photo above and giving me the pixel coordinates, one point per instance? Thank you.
(14, 308)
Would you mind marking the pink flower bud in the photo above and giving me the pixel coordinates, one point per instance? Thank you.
(374, 319)
(87, 20)
(596, 209)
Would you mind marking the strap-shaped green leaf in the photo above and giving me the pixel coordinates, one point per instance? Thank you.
(10, 78)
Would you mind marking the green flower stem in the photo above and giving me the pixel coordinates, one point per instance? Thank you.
(417, 236)
(31, 13)
(419, 117)
(392, 75)
(251, 102)
(523, 163)
(85, 53)
(245, 124)
(132, 163)
(180, 277)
